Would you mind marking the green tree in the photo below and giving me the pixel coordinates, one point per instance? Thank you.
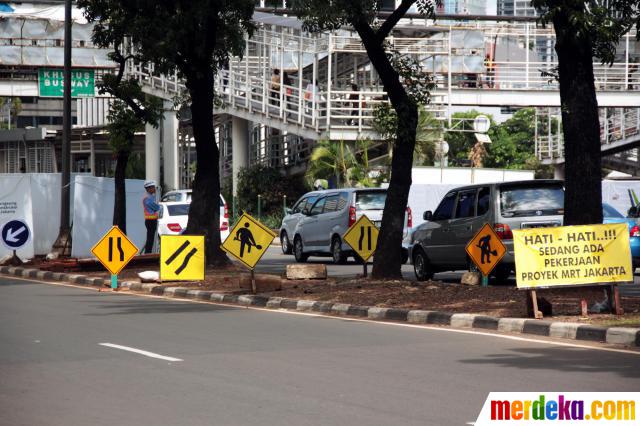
(584, 30)
(406, 87)
(462, 143)
(194, 38)
(331, 160)
(513, 142)
(12, 107)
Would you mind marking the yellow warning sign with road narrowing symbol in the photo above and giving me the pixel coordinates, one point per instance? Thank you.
(182, 257)
(362, 237)
(486, 249)
(248, 240)
(114, 250)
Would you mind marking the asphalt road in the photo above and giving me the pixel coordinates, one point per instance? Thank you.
(251, 367)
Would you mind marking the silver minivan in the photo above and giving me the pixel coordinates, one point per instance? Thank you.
(439, 243)
(318, 221)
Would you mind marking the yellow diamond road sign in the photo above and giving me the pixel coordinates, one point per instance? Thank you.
(182, 257)
(486, 249)
(114, 250)
(248, 240)
(362, 237)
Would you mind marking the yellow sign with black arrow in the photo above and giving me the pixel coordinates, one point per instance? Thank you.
(114, 250)
(248, 240)
(362, 237)
(182, 258)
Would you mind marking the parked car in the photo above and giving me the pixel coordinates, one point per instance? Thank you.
(174, 211)
(319, 219)
(611, 215)
(439, 243)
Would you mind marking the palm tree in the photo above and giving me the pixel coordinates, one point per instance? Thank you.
(331, 159)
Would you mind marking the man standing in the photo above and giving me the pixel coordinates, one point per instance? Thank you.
(151, 208)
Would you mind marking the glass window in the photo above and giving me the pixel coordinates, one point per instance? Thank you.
(331, 204)
(318, 206)
(466, 204)
(371, 200)
(540, 200)
(445, 209)
(170, 198)
(307, 205)
(299, 205)
(484, 200)
(178, 209)
(344, 199)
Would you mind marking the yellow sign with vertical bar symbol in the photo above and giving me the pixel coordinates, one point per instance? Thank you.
(362, 237)
(182, 258)
(114, 250)
(248, 240)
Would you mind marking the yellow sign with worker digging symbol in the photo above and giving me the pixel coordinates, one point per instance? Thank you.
(182, 257)
(114, 250)
(248, 241)
(362, 237)
(486, 249)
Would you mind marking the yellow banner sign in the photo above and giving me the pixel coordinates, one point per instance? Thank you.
(572, 255)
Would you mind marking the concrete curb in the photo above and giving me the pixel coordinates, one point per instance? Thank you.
(571, 331)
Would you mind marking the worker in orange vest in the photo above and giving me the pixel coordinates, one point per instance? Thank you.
(151, 208)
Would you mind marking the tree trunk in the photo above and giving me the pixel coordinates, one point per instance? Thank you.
(387, 262)
(581, 126)
(204, 213)
(120, 202)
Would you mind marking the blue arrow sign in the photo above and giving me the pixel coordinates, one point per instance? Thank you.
(15, 234)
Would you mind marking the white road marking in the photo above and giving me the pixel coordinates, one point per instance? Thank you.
(141, 352)
(393, 324)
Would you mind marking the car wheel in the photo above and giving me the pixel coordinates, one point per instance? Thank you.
(286, 244)
(339, 257)
(298, 250)
(502, 274)
(421, 266)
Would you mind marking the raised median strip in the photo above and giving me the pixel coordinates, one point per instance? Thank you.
(626, 336)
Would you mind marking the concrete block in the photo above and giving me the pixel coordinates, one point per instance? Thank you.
(564, 330)
(170, 291)
(44, 275)
(31, 273)
(264, 283)
(230, 298)
(377, 313)
(4, 269)
(289, 303)
(77, 279)
(591, 333)
(443, 318)
(323, 307)
(58, 276)
(301, 271)
(306, 305)
(148, 287)
(204, 295)
(128, 284)
(274, 302)
(486, 322)
(396, 314)
(539, 327)
(462, 320)
(340, 308)
(245, 299)
(216, 297)
(193, 294)
(471, 278)
(137, 287)
(418, 316)
(358, 311)
(511, 325)
(622, 335)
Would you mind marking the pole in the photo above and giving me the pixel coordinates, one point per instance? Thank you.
(284, 204)
(485, 280)
(253, 282)
(64, 235)
(259, 206)
(364, 268)
(114, 282)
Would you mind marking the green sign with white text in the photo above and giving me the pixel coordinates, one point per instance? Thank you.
(51, 83)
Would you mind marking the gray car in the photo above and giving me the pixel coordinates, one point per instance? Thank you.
(318, 221)
(439, 243)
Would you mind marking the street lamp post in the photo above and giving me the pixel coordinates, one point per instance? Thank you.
(62, 246)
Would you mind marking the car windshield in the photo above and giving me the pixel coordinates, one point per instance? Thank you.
(178, 209)
(608, 211)
(531, 201)
(370, 200)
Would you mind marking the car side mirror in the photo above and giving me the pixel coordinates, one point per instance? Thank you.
(288, 211)
(305, 212)
(428, 215)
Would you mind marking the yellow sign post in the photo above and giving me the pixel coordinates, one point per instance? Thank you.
(572, 255)
(486, 250)
(248, 242)
(182, 257)
(114, 251)
(362, 236)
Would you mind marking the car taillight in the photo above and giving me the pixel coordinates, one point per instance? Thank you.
(174, 227)
(409, 218)
(635, 231)
(224, 226)
(226, 211)
(503, 231)
(352, 215)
